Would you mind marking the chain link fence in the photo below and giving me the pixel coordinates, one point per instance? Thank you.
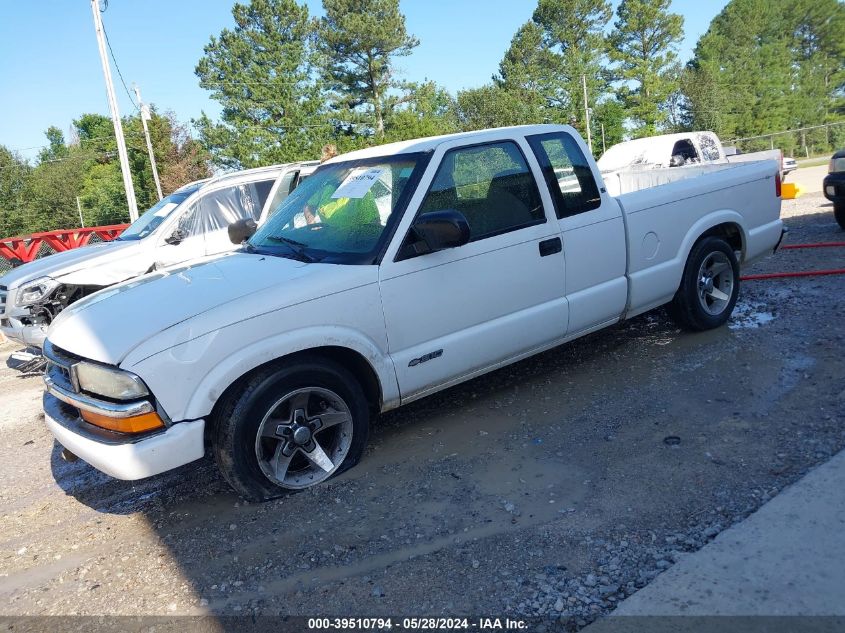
(799, 143)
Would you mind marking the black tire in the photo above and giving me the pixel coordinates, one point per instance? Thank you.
(839, 214)
(687, 308)
(238, 418)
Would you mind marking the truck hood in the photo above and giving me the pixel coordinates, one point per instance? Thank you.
(107, 263)
(109, 324)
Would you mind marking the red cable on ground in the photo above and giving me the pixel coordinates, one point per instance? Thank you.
(809, 273)
(820, 245)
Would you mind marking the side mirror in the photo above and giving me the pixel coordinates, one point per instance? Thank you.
(439, 230)
(176, 237)
(242, 230)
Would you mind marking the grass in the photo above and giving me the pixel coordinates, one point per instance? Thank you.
(814, 161)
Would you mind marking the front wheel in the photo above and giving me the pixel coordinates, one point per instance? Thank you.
(709, 286)
(291, 427)
(839, 214)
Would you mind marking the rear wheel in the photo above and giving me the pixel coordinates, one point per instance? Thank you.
(291, 427)
(839, 214)
(709, 286)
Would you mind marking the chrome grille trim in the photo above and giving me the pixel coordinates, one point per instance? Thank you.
(60, 367)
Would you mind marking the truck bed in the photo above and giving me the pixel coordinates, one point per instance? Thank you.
(740, 195)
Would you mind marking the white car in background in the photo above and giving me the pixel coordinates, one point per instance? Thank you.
(191, 222)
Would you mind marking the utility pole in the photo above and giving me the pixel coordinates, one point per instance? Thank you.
(115, 114)
(603, 146)
(587, 112)
(79, 208)
(145, 116)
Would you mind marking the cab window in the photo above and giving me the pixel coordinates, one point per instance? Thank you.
(491, 185)
(568, 174)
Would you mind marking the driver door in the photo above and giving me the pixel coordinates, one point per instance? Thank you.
(454, 313)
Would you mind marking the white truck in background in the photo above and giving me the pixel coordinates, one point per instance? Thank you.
(647, 161)
(189, 223)
(390, 274)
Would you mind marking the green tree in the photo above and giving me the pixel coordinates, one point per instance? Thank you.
(573, 33)
(56, 148)
(263, 74)
(643, 44)
(360, 40)
(426, 109)
(51, 199)
(819, 57)
(493, 106)
(746, 57)
(183, 159)
(15, 176)
(767, 66)
(528, 71)
(608, 116)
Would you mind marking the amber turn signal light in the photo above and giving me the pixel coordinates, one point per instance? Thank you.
(135, 424)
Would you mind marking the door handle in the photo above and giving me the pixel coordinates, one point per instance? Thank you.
(550, 246)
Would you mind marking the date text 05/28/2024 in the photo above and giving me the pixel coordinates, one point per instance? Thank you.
(416, 624)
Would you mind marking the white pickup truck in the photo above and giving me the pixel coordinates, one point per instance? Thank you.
(391, 273)
(189, 223)
(654, 160)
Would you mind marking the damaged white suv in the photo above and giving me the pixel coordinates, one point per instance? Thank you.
(191, 222)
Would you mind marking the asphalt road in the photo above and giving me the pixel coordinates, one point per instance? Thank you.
(557, 486)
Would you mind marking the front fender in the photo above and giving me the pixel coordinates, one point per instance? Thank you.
(187, 390)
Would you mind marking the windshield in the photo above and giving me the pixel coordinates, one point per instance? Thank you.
(152, 218)
(341, 213)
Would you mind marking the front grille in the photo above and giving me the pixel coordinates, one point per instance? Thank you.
(4, 292)
(60, 376)
(59, 363)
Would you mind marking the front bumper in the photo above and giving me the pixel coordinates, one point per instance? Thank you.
(12, 320)
(123, 457)
(29, 335)
(833, 187)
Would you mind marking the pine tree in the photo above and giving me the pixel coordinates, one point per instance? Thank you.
(769, 65)
(359, 40)
(643, 44)
(263, 74)
(573, 33)
(528, 72)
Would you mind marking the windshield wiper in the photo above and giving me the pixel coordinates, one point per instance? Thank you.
(296, 247)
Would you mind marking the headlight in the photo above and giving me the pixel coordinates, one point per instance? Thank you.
(35, 291)
(836, 165)
(111, 383)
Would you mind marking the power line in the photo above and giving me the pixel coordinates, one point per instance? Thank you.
(117, 68)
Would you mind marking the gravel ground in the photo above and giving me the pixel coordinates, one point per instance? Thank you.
(553, 487)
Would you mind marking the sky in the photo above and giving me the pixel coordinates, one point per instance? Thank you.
(50, 70)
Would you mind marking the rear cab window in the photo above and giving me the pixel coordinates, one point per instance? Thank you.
(568, 175)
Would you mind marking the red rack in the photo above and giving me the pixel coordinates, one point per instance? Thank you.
(25, 249)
